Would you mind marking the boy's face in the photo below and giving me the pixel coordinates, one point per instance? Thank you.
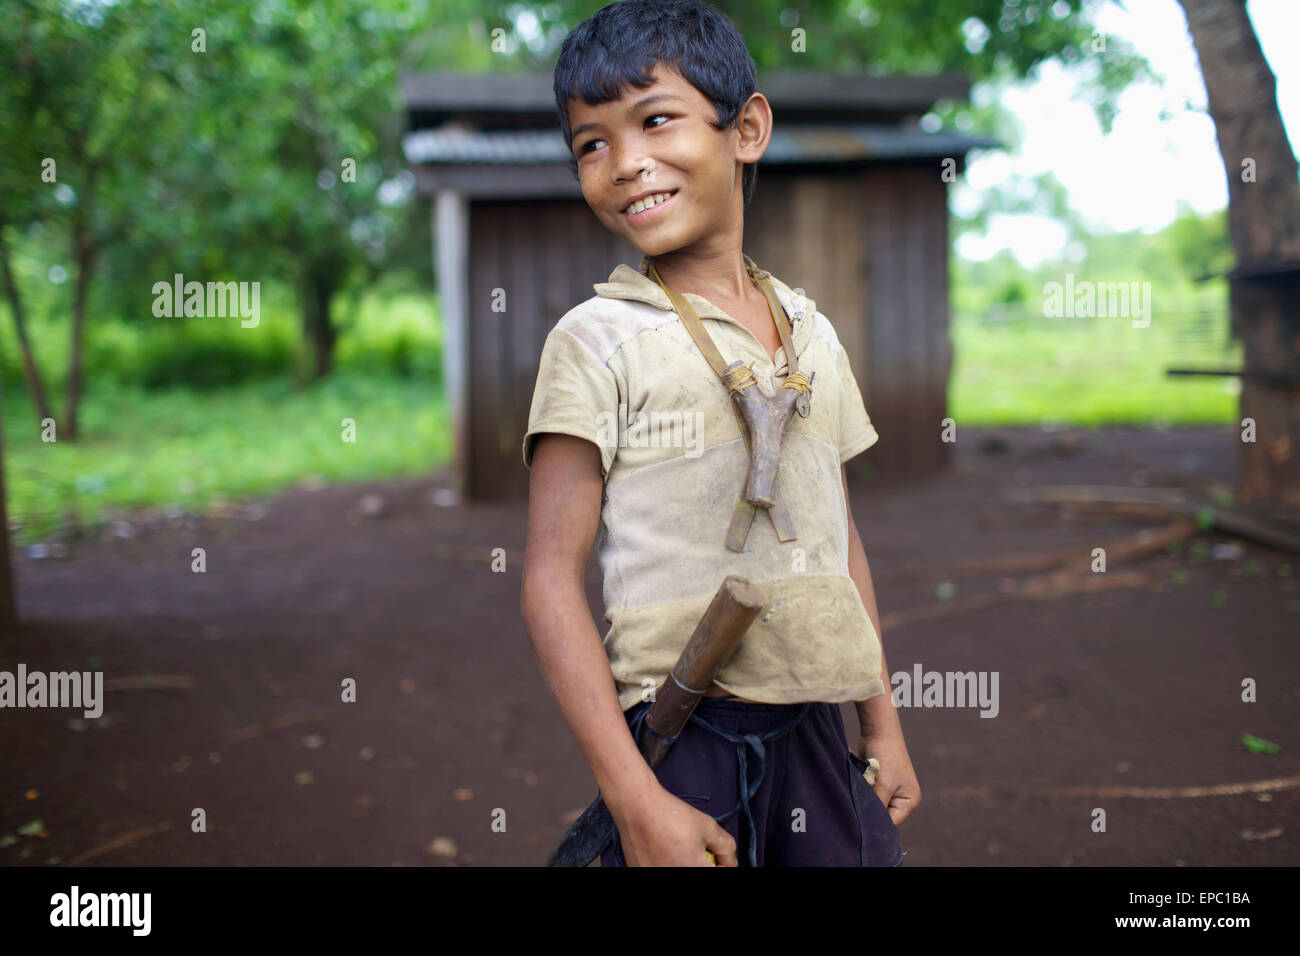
(630, 147)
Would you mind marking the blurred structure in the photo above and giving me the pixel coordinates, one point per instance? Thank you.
(850, 206)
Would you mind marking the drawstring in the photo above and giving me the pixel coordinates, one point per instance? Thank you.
(743, 743)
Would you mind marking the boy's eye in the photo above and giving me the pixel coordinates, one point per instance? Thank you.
(591, 142)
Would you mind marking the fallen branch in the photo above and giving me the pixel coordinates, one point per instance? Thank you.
(1129, 510)
(1276, 527)
(126, 839)
(1042, 587)
(276, 723)
(1129, 793)
(1171, 498)
(1137, 545)
(1126, 548)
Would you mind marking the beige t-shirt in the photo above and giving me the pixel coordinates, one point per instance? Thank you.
(621, 371)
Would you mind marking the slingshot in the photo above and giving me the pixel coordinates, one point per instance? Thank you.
(762, 419)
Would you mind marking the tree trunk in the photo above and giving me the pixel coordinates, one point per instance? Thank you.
(84, 253)
(1264, 223)
(8, 599)
(31, 372)
(317, 321)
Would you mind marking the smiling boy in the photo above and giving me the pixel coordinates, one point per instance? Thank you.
(659, 106)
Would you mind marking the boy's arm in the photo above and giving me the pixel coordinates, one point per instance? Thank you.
(565, 491)
(563, 512)
(877, 715)
(881, 732)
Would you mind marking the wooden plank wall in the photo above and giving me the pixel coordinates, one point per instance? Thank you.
(806, 229)
(871, 247)
(905, 222)
(544, 256)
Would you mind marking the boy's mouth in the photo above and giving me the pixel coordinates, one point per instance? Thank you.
(645, 207)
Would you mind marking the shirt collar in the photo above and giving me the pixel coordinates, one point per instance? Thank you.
(635, 284)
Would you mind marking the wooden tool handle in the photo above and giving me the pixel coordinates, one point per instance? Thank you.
(713, 643)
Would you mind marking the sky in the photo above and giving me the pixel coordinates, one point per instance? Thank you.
(1133, 178)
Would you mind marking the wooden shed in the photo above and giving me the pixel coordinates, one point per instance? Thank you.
(850, 205)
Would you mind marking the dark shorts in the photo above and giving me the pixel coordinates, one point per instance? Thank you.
(812, 807)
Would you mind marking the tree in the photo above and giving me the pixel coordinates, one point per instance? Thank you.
(80, 121)
(314, 94)
(1264, 224)
(248, 139)
(8, 599)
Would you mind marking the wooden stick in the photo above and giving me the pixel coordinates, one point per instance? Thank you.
(1134, 793)
(1273, 526)
(126, 839)
(1058, 584)
(277, 723)
(1140, 542)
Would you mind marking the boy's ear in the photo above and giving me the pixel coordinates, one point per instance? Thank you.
(754, 124)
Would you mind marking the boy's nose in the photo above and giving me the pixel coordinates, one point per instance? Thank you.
(633, 166)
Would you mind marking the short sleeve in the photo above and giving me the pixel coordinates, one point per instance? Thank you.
(857, 434)
(576, 394)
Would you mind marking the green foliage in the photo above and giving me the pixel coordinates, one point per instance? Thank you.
(1258, 745)
(1173, 259)
(395, 331)
(1013, 292)
(1200, 244)
(985, 39)
(395, 334)
(1034, 371)
(185, 451)
(228, 155)
(201, 357)
(1013, 364)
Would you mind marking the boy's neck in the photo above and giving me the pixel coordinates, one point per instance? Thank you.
(717, 278)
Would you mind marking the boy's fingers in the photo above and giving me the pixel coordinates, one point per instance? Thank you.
(898, 812)
(723, 846)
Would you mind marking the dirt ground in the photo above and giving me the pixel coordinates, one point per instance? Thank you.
(1131, 694)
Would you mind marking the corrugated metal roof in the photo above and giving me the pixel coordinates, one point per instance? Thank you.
(790, 144)
(789, 91)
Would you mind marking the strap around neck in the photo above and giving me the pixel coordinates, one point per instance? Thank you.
(761, 278)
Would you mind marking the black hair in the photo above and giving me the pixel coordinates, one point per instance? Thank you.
(620, 44)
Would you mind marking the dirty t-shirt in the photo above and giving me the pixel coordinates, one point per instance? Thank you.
(621, 371)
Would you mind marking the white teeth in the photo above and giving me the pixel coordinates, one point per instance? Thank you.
(646, 203)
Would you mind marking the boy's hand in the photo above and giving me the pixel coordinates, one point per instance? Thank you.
(659, 829)
(896, 784)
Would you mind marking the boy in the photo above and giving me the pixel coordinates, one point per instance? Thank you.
(761, 775)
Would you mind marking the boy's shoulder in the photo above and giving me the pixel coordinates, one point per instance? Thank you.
(621, 309)
(802, 308)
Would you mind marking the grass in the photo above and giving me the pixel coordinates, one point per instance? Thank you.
(1032, 370)
(178, 447)
(192, 450)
